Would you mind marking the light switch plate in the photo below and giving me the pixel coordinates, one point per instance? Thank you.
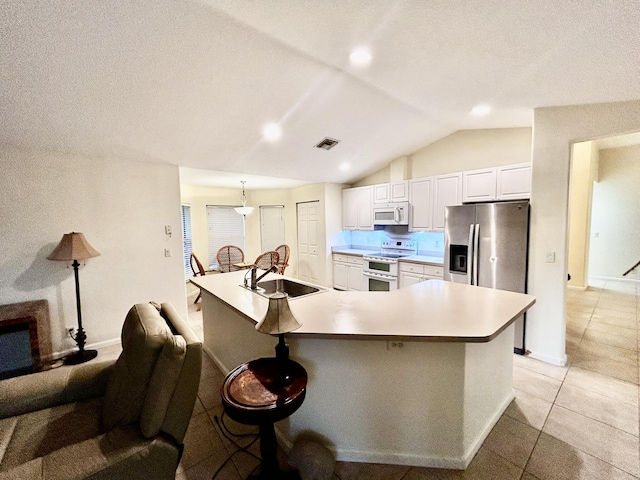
(551, 257)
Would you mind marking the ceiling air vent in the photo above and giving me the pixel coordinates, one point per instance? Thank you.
(327, 143)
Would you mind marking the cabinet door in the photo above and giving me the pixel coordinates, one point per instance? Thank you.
(514, 182)
(381, 193)
(421, 207)
(340, 276)
(399, 191)
(479, 185)
(350, 209)
(354, 277)
(406, 279)
(447, 192)
(365, 214)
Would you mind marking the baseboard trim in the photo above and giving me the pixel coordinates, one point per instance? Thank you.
(574, 287)
(614, 279)
(561, 362)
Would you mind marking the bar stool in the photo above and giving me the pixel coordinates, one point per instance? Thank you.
(261, 392)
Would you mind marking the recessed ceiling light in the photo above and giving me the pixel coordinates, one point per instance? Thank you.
(272, 132)
(344, 167)
(480, 110)
(360, 56)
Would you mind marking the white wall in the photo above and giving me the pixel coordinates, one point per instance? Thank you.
(120, 206)
(555, 129)
(616, 206)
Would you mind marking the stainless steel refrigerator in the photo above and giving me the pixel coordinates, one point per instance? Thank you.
(486, 244)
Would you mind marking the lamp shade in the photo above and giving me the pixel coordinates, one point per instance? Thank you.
(278, 318)
(73, 246)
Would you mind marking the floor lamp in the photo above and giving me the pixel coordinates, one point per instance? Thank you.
(74, 247)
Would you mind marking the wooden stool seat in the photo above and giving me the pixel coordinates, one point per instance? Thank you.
(256, 393)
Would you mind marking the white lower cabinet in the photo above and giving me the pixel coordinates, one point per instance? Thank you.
(412, 273)
(347, 272)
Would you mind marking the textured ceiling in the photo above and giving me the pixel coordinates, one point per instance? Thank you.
(193, 83)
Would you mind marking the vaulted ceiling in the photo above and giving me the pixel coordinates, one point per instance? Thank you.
(193, 83)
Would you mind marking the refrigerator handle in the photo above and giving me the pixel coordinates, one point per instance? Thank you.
(471, 255)
(476, 244)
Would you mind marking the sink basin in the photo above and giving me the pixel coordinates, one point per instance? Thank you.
(291, 288)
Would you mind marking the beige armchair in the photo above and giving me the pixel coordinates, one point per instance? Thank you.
(106, 420)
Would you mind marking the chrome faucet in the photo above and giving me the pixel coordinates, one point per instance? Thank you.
(255, 280)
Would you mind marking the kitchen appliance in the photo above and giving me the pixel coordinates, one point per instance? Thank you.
(380, 270)
(486, 244)
(391, 214)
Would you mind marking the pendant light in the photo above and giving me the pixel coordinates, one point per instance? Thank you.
(244, 210)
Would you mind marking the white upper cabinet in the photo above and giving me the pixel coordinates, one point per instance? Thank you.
(356, 208)
(399, 191)
(447, 191)
(391, 192)
(421, 204)
(381, 193)
(479, 185)
(514, 182)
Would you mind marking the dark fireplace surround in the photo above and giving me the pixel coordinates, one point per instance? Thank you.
(34, 317)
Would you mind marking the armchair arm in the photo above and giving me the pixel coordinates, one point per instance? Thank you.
(65, 384)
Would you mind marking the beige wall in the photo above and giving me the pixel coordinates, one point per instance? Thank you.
(616, 210)
(120, 206)
(329, 196)
(198, 197)
(583, 171)
(464, 150)
(555, 129)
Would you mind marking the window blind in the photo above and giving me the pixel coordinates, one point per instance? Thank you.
(271, 227)
(187, 246)
(224, 227)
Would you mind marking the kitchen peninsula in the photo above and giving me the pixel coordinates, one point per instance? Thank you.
(417, 376)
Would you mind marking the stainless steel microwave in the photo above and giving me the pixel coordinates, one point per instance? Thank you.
(391, 214)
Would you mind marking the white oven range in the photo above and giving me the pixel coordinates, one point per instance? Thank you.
(380, 270)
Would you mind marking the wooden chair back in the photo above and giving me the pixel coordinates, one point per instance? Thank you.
(283, 252)
(229, 255)
(267, 260)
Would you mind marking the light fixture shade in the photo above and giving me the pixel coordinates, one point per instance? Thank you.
(73, 246)
(244, 210)
(278, 318)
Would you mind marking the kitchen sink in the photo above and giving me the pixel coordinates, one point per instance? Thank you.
(291, 288)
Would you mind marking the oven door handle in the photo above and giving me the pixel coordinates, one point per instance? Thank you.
(378, 275)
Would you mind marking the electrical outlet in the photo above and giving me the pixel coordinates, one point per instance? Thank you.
(392, 344)
(167, 252)
(71, 330)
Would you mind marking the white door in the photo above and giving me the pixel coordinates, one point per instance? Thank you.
(308, 252)
(271, 227)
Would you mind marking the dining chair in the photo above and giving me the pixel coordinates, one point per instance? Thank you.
(228, 256)
(283, 262)
(198, 271)
(267, 260)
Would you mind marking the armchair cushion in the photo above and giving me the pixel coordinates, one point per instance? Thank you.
(143, 336)
(158, 396)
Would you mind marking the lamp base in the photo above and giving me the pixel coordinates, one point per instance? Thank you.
(80, 356)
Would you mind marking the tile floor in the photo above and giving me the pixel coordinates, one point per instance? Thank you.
(574, 422)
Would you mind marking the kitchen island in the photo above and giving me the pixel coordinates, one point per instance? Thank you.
(417, 376)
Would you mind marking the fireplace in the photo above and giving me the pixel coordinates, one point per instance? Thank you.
(25, 340)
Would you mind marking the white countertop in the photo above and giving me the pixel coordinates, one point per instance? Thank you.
(434, 310)
(431, 260)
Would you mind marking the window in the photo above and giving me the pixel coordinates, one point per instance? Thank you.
(224, 227)
(187, 246)
(271, 227)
